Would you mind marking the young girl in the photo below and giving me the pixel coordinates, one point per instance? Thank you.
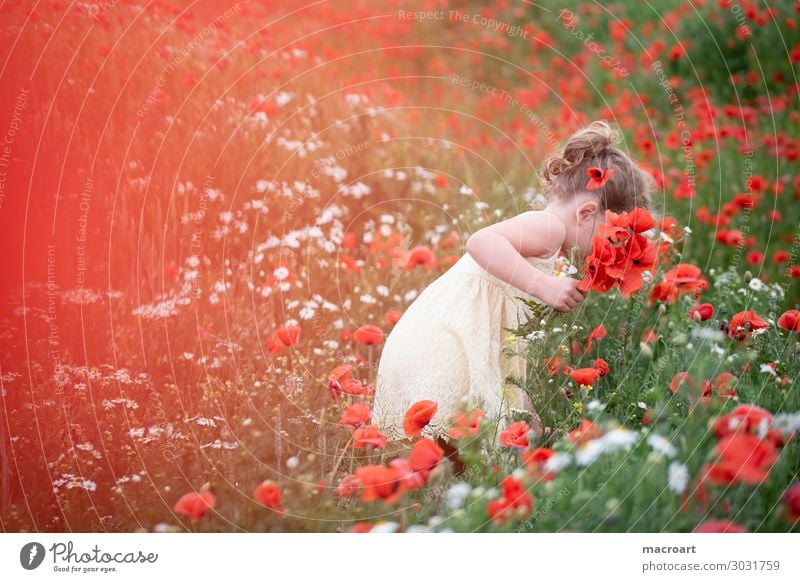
(447, 345)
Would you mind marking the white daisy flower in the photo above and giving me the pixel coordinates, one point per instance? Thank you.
(677, 477)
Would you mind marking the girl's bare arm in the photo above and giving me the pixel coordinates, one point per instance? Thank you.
(501, 249)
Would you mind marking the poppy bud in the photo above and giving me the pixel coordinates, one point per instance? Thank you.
(646, 350)
(748, 276)
(662, 309)
(697, 317)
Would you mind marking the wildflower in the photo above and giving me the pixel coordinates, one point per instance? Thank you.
(745, 322)
(792, 499)
(268, 494)
(457, 494)
(515, 435)
(743, 458)
(677, 477)
(718, 526)
(425, 455)
(368, 335)
(356, 415)
(790, 320)
(418, 417)
(466, 424)
(283, 337)
(585, 376)
(515, 502)
(369, 436)
(610, 442)
(194, 505)
(585, 432)
(380, 482)
(701, 312)
(661, 445)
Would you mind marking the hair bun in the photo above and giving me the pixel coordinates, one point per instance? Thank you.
(585, 143)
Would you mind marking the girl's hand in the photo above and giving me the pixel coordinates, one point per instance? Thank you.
(560, 293)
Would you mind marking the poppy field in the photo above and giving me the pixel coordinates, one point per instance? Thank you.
(213, 214)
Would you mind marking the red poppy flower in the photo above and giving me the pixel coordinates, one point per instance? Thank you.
(369, 436)
(597, 333)
(425, 455)
(393, 316)
(380, 482)
(746, 418)
(620, 254)
(268, 494)
(680, 379)
(682, 278)
(466, 424)
(743, 458)
(745, 322)
(339, 381)
(792, 499)
(515, 435)
(601, 366)
(535, 460)
(703, 311)
(409, 478)
(598, 177)
(553, 364)
(420, 255)
(361, 527)
(790, 320)
(368, 335)
(718, 526)
(195, 505)
(585, 432)
(356, 415)
(516, 502)
(348, 486)
(283, 337)
(418, 417)
(585, 376)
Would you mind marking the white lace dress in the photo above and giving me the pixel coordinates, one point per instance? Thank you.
(447, 348)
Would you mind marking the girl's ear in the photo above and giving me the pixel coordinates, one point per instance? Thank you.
(587, 211)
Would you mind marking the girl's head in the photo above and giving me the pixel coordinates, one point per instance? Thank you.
(567, 183)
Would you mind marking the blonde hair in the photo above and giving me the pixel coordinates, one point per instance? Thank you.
(563, 174)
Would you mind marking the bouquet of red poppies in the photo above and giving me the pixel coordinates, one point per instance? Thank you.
(620, 253)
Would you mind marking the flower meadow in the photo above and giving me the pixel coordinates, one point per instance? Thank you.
(215, 212)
